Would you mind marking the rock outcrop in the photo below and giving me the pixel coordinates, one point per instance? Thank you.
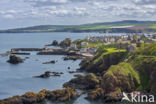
(99, 65)
(66, 94)
(47, 74)
(96, 94)
(65, 43)
(61, 95)
(99, 94)
(74, 58)
(57, 52)
(87, 82)
(15, 59)
(55, 43)
(50, 62)
(121, 76)
(117, 79)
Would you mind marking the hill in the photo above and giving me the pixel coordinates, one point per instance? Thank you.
(127, 26)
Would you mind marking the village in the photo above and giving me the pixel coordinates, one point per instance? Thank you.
(130, 42)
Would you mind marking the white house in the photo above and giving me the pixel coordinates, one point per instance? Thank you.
(84, 43)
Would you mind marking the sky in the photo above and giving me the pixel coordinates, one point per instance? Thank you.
(23, 13)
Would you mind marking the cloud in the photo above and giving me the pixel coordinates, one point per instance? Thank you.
(60, 2)
(8, 16)
(45, 2)
(144, 1)
(8, 12)
(75, 11)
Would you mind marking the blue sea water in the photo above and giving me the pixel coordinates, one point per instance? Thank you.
(17, 79)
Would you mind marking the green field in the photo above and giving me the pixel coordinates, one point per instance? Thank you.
(150, 26)
(153, 26)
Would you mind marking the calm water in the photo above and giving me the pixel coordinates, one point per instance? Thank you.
(17, 79)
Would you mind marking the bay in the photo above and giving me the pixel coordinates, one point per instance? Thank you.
(17, 79)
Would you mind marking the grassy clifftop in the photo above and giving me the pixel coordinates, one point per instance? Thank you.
(104, 58)
(138, 73)
(147, 49)
(103, 52)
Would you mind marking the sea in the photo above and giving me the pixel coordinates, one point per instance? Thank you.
(18, 79)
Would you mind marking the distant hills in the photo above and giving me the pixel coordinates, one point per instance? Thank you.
(127, 26)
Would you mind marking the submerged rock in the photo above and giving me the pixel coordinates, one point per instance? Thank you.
(77, 71)
(27, 57)
(48, 74)
(87, 82)
(50, 62)
(15, 59)
(72, 72)
(57, 74)
(45, 75)
(37, 98)
(74, 58)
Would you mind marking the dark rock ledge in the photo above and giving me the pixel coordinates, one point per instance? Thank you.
(48, 74)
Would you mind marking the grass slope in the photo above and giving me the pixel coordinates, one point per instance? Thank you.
(140, 69)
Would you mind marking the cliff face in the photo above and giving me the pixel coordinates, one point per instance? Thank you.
(101, 62)
(136, 73)
(121, 76)
(146, 67)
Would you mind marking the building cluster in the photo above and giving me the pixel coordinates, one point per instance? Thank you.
(128, 37)
(128, 41)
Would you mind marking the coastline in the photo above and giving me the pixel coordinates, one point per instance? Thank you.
(94, 84)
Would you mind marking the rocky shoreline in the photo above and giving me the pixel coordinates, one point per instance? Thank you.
(115, 73)
(57, 52)
(45, 95)
(109, 73)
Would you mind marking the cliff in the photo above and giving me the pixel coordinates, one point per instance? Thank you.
(136, 72)
(103, 60)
